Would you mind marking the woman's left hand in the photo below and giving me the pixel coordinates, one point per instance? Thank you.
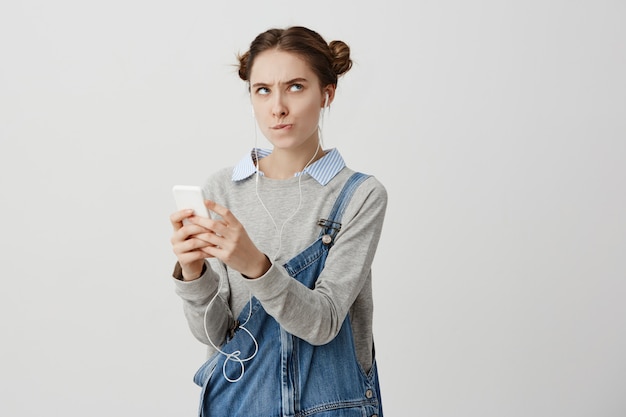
(231, 243)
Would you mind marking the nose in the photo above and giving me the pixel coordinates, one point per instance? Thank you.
(279, 107)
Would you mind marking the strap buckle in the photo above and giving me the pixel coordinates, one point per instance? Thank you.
(329, 224)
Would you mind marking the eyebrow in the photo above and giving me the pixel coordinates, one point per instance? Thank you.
(292, 81)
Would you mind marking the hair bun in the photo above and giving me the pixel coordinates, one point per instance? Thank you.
(243, 65)
(341, 57)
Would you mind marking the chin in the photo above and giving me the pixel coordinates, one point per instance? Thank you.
(283, 142)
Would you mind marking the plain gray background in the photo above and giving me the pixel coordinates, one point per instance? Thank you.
(498, 128)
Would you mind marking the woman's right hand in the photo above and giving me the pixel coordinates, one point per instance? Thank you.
(187, 244)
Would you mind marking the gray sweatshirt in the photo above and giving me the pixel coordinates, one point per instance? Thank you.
(344, 286)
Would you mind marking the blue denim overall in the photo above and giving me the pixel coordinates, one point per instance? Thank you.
(289, 377)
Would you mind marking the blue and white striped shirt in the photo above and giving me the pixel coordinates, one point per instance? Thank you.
(323, 170)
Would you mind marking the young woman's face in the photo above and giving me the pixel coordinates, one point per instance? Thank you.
(287, 98)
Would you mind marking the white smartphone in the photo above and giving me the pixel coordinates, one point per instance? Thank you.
(190, 197)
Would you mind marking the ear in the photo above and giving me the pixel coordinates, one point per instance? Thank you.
(328, 95)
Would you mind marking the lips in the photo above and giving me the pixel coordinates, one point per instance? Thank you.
(281, 126)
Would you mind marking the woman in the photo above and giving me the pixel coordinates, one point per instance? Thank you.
(277, 283)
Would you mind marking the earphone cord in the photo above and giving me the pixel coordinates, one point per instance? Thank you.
(256, 189)
(256, 186)
(235, 355)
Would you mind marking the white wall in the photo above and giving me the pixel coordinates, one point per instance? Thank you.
(497, 127)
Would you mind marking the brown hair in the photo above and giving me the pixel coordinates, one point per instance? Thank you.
(328, 60)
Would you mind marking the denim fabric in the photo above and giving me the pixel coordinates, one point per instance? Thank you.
(289, 377)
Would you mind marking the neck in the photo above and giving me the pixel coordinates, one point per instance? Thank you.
(285, 163)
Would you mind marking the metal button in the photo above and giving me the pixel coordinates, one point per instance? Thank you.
(369, 394)
(374, 415)
(326, 239)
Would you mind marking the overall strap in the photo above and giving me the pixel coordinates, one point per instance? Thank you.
(332, 225)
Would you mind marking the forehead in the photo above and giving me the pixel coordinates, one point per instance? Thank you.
(274, 66)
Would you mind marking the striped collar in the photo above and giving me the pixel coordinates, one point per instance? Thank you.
(323, 170)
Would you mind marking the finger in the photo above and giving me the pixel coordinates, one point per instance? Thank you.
(212, 227)
(228, 224)
(190, 257)
(189, 245)
(205, 222)
(211, 251)
(226, 214)
(177, 218)
(209, 237)
(186, 232)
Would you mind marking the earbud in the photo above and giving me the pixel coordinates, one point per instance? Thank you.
(326, 100)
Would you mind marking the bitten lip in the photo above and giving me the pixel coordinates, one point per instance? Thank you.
(281, 126)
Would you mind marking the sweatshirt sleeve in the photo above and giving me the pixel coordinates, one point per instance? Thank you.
(202, 294)
(316, 315)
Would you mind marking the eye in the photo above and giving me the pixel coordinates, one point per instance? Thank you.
(263, 91)
(296, 87)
